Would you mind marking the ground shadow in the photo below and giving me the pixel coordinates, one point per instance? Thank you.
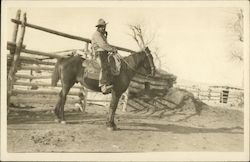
(178, 129)
(100, 119)
(27, 117)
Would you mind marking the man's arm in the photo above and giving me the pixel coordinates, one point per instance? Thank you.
(102, 43)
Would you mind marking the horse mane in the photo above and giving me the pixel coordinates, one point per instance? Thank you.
(133, 57)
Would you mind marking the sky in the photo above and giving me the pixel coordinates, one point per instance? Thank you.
(194, 43)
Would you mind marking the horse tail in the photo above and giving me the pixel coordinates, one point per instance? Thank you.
(56, 74)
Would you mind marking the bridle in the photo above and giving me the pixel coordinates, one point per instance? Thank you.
(151, 64)
(152, 67)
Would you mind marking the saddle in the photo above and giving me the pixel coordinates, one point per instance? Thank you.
(93, 68)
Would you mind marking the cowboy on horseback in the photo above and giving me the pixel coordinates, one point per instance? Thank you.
(101, 49)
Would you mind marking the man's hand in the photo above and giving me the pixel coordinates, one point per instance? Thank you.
(114, 50)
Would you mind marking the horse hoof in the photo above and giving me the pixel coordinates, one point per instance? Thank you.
(63, 122)
(57, 120)
(110, 128)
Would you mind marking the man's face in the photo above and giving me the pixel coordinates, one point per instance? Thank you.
(102, 28)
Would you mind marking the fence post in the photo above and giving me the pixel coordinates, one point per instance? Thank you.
(86, 49)
(198, 93)
(15, 31)
(14, 36)
(31, 74)
(209, 94)
(15, 62)
(88, 53)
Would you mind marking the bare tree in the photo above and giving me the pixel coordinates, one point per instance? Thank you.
(238, 30)
(139, 35)
(236, 26)
(144, 38)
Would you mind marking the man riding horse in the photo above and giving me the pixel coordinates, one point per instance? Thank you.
(70, 71)
(101, 49)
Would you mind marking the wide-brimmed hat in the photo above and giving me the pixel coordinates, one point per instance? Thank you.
(101, 22)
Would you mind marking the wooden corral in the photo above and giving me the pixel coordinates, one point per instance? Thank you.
(29, 71)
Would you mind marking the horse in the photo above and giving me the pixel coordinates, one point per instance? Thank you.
(70, 71)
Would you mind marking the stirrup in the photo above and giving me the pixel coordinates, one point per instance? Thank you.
(106, 89)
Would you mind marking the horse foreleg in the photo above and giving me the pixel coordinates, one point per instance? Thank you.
(112, 109)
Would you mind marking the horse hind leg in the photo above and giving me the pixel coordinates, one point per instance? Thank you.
(57, 108)
(65, 91)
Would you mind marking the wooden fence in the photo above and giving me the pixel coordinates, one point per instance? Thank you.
(217, 94)
(26, 67)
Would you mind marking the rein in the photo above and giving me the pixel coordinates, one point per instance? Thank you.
(120, 57)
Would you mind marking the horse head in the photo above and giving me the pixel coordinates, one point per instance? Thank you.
(148, 64)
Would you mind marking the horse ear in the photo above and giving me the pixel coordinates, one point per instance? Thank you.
(147, 50)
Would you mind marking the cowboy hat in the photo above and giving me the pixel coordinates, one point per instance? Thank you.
(101, 22)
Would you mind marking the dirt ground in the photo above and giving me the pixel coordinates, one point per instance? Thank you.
(214, 129)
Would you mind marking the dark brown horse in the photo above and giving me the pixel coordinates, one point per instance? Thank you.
(70, 71)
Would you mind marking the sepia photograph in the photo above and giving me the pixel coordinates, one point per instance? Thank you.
(125, 80)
